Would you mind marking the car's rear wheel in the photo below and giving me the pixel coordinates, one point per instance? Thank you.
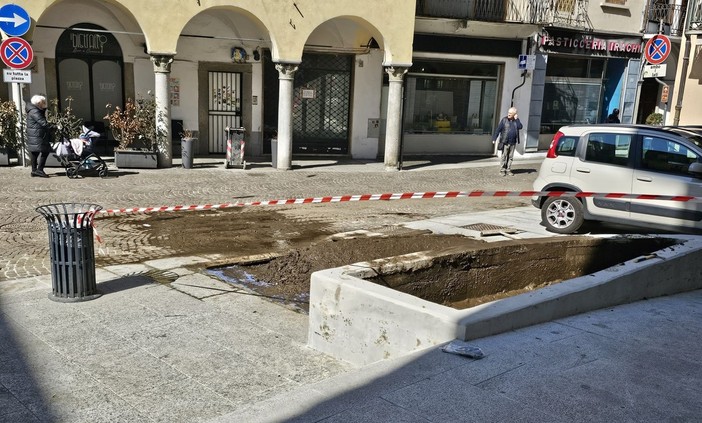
(562, 215)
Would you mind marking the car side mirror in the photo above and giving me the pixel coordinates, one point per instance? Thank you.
(695, 169)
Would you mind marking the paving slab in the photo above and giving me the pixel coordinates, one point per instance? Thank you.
(156, 348)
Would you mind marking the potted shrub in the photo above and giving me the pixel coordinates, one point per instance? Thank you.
(10, 135)
(70, 125)
(654, 119)
(134, 127)
(188, 139)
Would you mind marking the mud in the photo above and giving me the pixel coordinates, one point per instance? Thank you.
(466, 279)
(287, 277)
(275, 252)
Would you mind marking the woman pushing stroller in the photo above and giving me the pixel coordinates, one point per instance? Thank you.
(38, 134)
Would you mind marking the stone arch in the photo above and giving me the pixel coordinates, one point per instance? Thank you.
(52, 24)
(232, 25)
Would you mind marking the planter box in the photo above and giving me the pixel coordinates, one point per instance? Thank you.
(135, 159)
(4, 157)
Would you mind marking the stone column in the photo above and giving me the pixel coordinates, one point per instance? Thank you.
(162, 69)
(393, 125)
(286, 75)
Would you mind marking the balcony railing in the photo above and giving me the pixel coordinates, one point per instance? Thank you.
(694, 8)
(569, 13)
(666, 18)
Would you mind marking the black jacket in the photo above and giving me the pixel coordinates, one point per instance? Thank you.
(508, 131)
(39, 136)
(612, 118)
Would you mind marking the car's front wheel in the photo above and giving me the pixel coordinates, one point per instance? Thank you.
(562, 215)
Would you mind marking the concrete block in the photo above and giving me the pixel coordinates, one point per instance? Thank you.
(362, 322)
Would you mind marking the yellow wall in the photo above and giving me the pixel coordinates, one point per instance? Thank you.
(391, 22)
(690, 111)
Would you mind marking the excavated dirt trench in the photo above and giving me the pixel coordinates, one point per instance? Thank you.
(302, 245)
(466, 279)
(480, 273)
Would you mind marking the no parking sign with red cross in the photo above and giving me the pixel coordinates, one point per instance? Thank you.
(657, 49)
(16, 53)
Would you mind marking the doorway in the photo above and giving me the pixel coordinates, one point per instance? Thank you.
(224, 107)
(89, 69)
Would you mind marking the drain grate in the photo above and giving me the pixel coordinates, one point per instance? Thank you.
(486, 229)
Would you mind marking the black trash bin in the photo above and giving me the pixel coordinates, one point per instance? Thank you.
(72, 250)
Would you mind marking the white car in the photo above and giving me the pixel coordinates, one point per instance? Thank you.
(630, 159)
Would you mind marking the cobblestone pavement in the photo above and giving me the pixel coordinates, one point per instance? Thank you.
(23, 232)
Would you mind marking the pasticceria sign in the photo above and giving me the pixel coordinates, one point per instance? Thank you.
(590, 44)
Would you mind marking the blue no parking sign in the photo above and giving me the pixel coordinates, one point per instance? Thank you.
(14, 21)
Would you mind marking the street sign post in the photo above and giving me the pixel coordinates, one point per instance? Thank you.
(16, 53)
(655, 71)
(657, 49)
(17, 76)
(526, 62)
(14, 20)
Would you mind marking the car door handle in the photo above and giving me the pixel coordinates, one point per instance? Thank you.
(644, 178)
(582, 170)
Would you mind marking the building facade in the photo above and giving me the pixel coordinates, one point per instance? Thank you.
(308, 73)
(364, 79)
(583, 60)
(687, 85)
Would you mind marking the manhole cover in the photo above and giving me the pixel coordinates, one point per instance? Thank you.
(487, 229)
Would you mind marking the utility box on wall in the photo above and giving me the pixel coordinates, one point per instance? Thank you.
(373, 128)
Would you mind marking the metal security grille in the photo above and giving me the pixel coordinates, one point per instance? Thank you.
(224, 107)
(487, 229)
(321, 101)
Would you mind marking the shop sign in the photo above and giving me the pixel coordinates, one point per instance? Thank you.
(588, 44)
(87, 40)
(664, 93)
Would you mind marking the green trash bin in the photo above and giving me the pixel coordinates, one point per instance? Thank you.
(72, 250)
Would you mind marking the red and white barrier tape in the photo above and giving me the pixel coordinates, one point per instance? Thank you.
(402, 196)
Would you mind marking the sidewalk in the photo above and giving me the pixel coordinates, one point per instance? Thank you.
(164, 344)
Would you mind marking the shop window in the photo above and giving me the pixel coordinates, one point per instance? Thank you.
(445, 103)
(573, 67)
(572, 92)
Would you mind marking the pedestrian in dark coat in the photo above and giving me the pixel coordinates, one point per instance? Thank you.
(507, 134)
(613, 117)
(38, 134)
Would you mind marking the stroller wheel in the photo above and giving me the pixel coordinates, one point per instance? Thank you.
(103, 173)
(71, 172)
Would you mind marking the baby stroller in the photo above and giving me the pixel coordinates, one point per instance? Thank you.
(77, 157)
